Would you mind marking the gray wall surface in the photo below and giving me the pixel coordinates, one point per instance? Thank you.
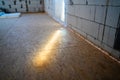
(55, 9)
(96, 20)
(22, 5)
(49, 7)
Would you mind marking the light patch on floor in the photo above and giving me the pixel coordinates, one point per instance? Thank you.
(43, 56)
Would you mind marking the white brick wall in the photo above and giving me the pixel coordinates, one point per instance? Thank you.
(71, 9)
(49, 7)
(77, 10)
(72, 20)
(79, 24)
(35, 5)
(79, 1)
(100, 14)
(112, 16)
(87, 12)
(106, 34)
(97, 2)
(111, 37)
(96, 19)
(100, 33)
(114, 2)
(93, 29)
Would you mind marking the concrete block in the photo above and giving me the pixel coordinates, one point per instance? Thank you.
(71, 9)
(98, 43)
(21, 3)
(113, 16)
(87, 12)
(14, 6)
(100, 14)
(114, 2)
(77, 10)
(97, 2)
(100, 34)
(90, 28)
(37, 9)
(22, 10)
(93, 40)
(68, 19)
(72, 20)
(107, 48)
(84, 25)
(39, 6)
(93, 29)
(31, 9)
(32, 6)
(79, 23)
(111, 38)
(12, 10)
(35, 1)
(106, 34)
(80, 32)
(9, 2)
(90, 38)
(79, 1)
(6, 6)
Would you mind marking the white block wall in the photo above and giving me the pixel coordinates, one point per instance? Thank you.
(54, 8)
(49, 7)
(22, 5)
(96, 20)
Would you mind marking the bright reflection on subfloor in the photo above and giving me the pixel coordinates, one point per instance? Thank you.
(43, 57)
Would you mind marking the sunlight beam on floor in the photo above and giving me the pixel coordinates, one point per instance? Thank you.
(43, 57)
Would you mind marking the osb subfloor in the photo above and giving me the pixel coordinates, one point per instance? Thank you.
(35, 47)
